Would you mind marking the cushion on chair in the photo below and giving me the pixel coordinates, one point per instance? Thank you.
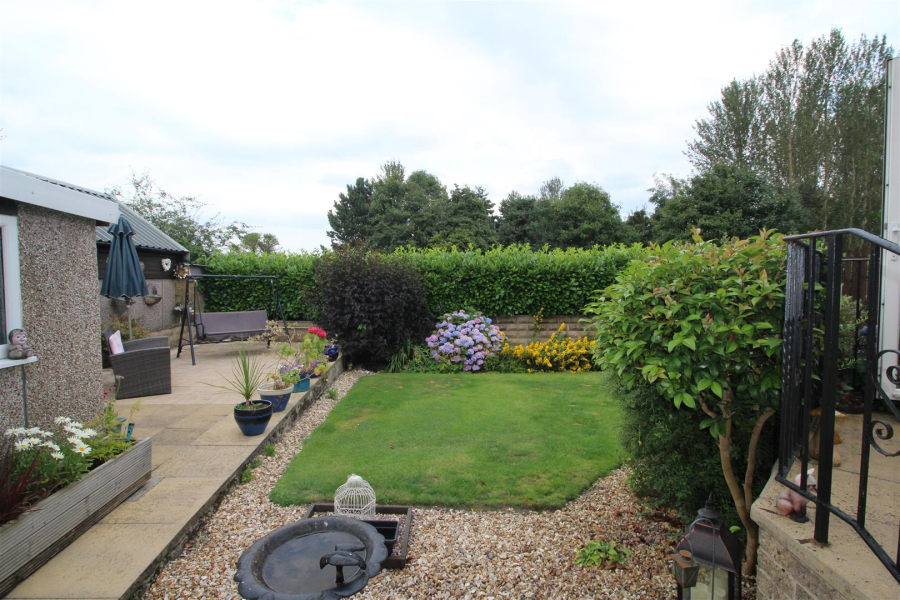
(115, 343)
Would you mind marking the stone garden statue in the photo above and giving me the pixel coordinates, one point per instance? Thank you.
(18, 344)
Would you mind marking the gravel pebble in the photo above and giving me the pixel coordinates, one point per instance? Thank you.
(452, 553)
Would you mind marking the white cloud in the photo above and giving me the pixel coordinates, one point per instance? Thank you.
(266, 111)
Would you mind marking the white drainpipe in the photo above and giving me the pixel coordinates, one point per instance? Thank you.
(889, 336)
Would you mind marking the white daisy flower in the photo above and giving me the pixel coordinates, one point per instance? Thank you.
(16, 431)
(61, 420)
(57, 455)
(22, 445)
(88, 433)
(82, 448)
(46, 434)
(32, 441)
(51, 445)
(74, 440)
(77, 424)
(33, 431)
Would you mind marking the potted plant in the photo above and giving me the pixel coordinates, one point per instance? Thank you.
(281, 382)
(247, 375)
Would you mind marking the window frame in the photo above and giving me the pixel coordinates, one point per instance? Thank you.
(12, 284)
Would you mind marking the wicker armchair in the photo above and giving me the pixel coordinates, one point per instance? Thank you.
(145, 366)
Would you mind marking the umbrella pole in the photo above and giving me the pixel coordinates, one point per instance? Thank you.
(128, 312)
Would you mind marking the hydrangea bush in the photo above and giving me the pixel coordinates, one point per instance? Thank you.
(461, 338)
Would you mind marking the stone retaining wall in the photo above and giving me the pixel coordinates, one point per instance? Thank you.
(520, 329)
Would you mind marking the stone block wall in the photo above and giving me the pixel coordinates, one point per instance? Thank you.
(155, 317)
(780, 574)
(519, 329)
(58, 265)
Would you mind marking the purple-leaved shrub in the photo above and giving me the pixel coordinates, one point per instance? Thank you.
(464, 338)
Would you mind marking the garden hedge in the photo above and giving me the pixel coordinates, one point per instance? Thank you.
(504, 281)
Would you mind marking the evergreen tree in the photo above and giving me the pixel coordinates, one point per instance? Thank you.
(725, 201)
(350, 218)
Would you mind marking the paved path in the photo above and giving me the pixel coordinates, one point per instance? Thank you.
(198, 452)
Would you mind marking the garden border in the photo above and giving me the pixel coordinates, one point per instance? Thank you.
(37, 536)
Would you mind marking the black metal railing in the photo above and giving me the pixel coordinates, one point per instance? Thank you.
(810, 371)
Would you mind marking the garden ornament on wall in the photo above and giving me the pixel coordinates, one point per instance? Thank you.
(166, 264)
(791, 504)
(19, 347)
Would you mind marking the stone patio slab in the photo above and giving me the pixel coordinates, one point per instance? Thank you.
(102, 563)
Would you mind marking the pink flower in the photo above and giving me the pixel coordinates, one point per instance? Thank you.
(319, 332)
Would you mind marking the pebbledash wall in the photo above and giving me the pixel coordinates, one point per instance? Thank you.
(57, 268)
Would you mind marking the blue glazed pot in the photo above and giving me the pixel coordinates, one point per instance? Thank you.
(278, 398)
(301, 386)
(253, 421)
(331, 352)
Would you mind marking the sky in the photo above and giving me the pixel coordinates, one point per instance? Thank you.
(267, 110)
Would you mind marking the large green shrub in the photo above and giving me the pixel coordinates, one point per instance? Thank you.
(701, 323)
(295, 273)
(503, 281)
(676, 463)
(372, 303)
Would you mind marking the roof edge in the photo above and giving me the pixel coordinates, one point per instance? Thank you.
(20, 186)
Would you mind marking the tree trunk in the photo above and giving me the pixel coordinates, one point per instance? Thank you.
(737, 495)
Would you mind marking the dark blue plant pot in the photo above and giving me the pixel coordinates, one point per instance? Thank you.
(331, 352)
(301, 386)
(254, 421)
(278, 398)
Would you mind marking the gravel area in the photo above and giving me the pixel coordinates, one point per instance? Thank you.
(452, 553)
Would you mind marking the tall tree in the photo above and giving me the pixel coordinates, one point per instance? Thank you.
(641, 225)
(464, 219)
(724, 201)
(181, 218)
(520, 221)
(585, 216)
(257, 243)
(350, 218)
(552, 189)
(812, 123)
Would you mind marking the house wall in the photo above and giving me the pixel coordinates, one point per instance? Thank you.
(156, 317)
(58, 264)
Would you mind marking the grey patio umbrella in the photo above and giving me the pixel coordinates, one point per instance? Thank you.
(124, 279)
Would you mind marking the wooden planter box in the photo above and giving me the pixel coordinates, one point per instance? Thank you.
(38, 535)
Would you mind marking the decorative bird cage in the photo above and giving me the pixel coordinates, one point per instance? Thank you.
(356, 499)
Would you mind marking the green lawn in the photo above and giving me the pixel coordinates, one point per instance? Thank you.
(490, 440)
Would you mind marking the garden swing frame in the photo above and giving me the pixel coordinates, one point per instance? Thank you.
(188, 318)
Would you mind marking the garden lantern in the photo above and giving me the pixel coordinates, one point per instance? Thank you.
(356, 499)
(707, 561)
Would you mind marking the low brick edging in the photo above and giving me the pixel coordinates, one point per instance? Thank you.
(271, 436)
